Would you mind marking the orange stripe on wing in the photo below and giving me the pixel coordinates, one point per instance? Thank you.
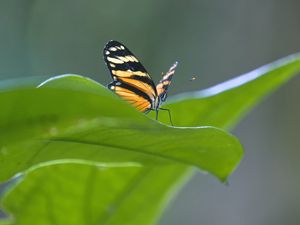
(126, 73)
(142, 86)
(137, 101)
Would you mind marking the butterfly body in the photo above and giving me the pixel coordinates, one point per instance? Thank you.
(132, 82)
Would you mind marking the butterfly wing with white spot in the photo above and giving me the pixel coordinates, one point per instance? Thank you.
(128, 73)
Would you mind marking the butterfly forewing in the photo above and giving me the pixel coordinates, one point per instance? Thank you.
(128, 72)
(123, 64)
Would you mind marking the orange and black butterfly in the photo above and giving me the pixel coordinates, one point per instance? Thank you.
(131, 80)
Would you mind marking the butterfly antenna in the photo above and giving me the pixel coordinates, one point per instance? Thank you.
(168, 110)
(156, 114)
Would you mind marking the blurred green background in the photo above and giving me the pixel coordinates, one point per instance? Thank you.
(213, 41)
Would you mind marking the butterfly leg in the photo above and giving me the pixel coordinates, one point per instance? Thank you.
(156, 114)
(169, 115)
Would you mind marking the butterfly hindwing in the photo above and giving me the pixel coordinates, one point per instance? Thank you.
(164, 83)
(138, 99)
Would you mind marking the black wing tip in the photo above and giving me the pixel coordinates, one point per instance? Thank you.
(109, 44)
(112, 43)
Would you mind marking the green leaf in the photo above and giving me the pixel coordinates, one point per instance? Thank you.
(155, 185)
(103, 195)
(49, 124)
(73, 119)
(225, 104)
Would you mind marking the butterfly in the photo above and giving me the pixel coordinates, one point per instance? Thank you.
(132, 82)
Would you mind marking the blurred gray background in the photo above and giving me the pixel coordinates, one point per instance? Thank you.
(212, 40)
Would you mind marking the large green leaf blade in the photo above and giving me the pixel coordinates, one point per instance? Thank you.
(48, 124)
(103, 195)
